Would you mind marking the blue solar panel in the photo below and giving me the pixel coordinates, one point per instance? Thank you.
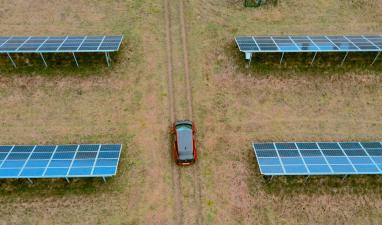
(59, 161)
(34, 44)
(254, 44)
(321, 158)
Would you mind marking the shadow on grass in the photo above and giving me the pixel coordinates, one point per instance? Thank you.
(325, 64)
(59, 64)
(294, 185)
(42, 187)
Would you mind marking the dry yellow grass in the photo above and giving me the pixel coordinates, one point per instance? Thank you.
(233, 106)
(266, 102)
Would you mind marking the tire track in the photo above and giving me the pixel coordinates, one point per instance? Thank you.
(185, 59)
(179, 209)
(175, 173)
(196, 167)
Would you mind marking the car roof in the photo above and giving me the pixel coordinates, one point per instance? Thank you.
(185, 143)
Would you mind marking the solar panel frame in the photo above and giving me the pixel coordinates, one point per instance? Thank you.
(58, 44)
(333, 43)
(296, 158)
(46, 164)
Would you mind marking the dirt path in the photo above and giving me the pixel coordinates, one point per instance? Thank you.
(175, 176)
(185, 59)
(176, 41)
(195, 169)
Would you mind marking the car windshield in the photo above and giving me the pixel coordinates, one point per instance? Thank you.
(183, 126)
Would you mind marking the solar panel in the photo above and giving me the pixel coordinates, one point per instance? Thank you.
(256, 44)
(315, 44)
(319, 158)
(35, 44)
(59, 161)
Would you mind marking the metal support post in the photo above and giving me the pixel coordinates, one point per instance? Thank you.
(30, 181)
(267, 178)
(67, 179)
(342, 63)
(248, 55)
(282, 57)
(345, 176)
(13, 63)
(249, 63)
(107, 59)
(375, 59)
(104, 179)
(43, 59)
(306, 179)
(314, 57)
(75, 59)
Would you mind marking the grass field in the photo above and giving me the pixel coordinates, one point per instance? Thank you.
(234, 104)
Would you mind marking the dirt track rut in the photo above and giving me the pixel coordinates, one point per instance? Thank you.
(187, 203)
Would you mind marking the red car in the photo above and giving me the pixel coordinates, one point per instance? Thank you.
(184, 142)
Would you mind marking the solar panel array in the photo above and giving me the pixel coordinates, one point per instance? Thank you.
(34, 44)
(253, 44)
(323, 158)
(59, 161)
